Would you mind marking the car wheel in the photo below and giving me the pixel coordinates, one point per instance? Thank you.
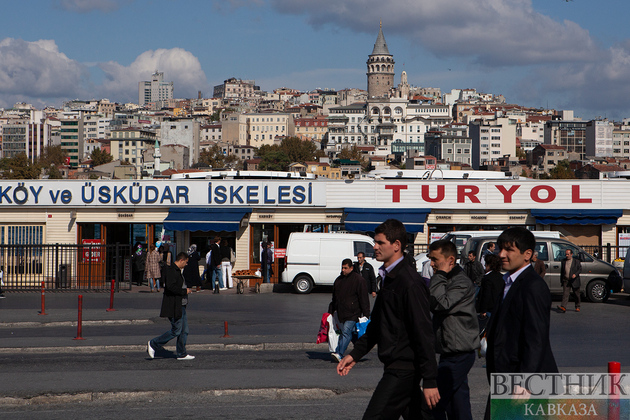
(303, 284)
(597, 292)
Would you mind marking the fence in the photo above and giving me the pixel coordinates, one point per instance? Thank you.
(608, 252)
(66, 267)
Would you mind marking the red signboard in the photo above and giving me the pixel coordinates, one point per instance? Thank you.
(280, 253)
(92, 254)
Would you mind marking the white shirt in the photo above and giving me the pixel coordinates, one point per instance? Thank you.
(512, 277)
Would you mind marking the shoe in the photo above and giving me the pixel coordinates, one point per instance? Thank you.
(199, 290)
(150, 350)
(562, 309)
(2, 296)
(577, 309)
(187, 357)
(335, 357)
(223, 288)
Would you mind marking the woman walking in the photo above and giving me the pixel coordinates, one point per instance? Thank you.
(153, 271)
(191, 271)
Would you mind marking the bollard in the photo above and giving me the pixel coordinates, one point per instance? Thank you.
(614, 370)
(225, 327)
(80, 323)
(111, 298)
(43, 311)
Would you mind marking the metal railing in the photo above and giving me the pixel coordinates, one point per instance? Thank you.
(66, 267)
(608, 252)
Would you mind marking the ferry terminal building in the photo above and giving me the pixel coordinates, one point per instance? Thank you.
(247, 212)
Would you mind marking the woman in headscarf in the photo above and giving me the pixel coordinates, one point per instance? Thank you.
(152, 267)
(191, 271)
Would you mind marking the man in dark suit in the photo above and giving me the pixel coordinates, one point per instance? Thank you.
(367, 271)
(518, 331)
(570, 270)
(174, 305)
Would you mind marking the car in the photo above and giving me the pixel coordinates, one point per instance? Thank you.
(599, 279)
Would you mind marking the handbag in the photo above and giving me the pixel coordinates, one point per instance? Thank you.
(361, 326)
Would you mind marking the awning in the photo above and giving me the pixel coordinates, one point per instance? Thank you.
(205, 219)
(576, 217)
(366, 220)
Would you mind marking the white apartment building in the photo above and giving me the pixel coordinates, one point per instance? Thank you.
(210, 132)
(182, 131)
(599, 138)
(155, 89)
(621, 143)
(491, 140)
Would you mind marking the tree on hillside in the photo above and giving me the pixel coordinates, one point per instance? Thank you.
(20, 167)
(100, 157)
(354, 153)
(562, 171)
(212, 157)
(298, 150)
(275, 160)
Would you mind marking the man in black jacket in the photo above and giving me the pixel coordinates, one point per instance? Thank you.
(350, 301)
(401, 326)
(474, 270)
(367, 271)
(570, 269)
(215, 265)
(174, 308)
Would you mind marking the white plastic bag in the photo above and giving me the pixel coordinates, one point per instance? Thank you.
(333, 333)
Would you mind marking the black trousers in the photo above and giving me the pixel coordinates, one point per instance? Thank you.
(453, 386)
(397, 394)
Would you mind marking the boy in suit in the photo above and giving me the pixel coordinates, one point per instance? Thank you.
(518, 331)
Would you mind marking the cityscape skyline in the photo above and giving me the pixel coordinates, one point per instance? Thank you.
(536, 53)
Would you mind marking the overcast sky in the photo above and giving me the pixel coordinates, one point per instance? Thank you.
(557, 53)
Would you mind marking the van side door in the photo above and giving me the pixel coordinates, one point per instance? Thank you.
(331, 253)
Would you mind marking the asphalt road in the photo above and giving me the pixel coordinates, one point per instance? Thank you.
(278, 384)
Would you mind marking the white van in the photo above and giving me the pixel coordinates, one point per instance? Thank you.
(315, 258)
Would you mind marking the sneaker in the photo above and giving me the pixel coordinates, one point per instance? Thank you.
(187, 357)
(577, 309)
(2, 296)
(150, 350)
(224, 288)
(336, 357)
(562, 309)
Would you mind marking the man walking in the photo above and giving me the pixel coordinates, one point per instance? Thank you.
(174, 304)
(473, 269)
(490, 250)
(350, 301)
(367, 272)
(570, 270)
(215, 265)
(266, 261)
(456, 327)
(401, 327)
(539, 265)
(518, 330)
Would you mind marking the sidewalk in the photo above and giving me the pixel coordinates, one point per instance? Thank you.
(265, 321)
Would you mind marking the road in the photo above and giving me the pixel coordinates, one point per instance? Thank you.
(47, 375)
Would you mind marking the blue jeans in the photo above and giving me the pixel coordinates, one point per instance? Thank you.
(345, 337)
(179, 330)
(216, 271)
(266, 278)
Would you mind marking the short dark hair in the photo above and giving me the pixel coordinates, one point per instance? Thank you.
(361, 253)
(493, 261)
(570, 250)
(347, 262)
(490, 245)
(181, 256)
(518, 237)
(447, 248)
(217, 239)
(394, 231)
(471, 252)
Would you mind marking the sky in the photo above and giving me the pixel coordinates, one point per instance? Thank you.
(541, 53)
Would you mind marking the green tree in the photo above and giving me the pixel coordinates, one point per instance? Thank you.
(52, 155)
(20, 167)
(100, 157)
(354, 153)
(298, 150)
(212, 157)
(275, 160)
(562, 171)
(520, 153)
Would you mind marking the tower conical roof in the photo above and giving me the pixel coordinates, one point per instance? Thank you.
(380, 46)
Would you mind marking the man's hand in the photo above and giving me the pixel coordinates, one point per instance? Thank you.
(573, 276)
(373, 294)
(446, 265)
(188, 291)
(347, 363)
(520, 393)
(432, 396)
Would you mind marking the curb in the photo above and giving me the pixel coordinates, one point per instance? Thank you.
(269, 393)
(143, 348)
(74, 323)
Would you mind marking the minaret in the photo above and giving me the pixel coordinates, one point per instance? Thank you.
(380, 68)
(156, 158)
